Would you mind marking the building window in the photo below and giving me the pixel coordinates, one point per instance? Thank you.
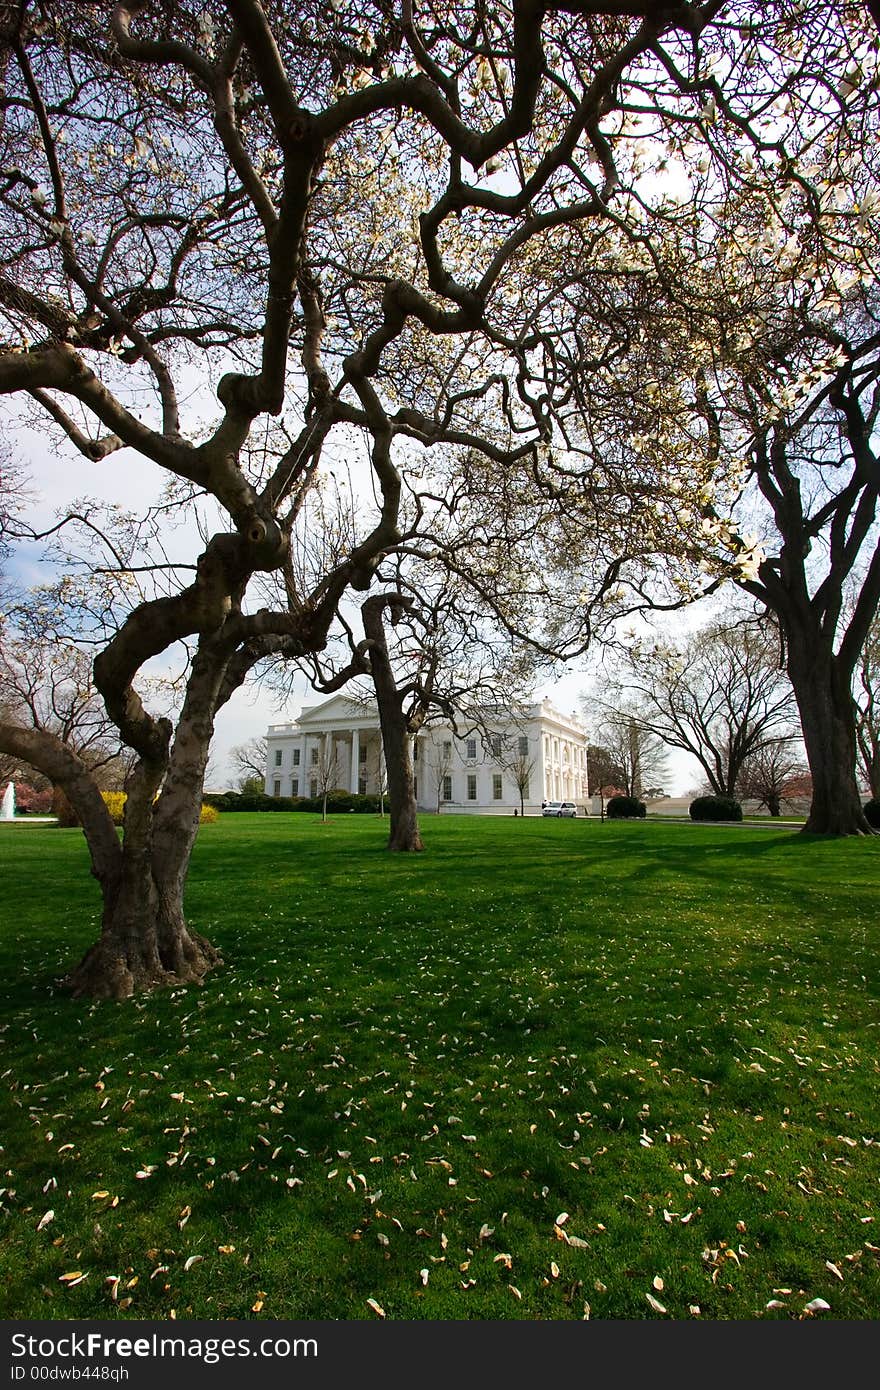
(496, 745)
(447, 748)
(362, 786)
(362, 753)
(523, 745)
(471, 787)
(496, 786)
(276, 788)
(296, 757)
(314, 788)
(294, 787)
(447, 788)
(278, 756)
(314, 756)
(525, 790)
(415, 750)
(472, 749)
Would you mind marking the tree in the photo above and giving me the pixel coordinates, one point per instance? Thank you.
(637, 753)
(520, 767)
(760, 278)
(46, 686)
(773, 774)
(451, 667)
(440, 769)
(431, 656)
(362, 225)
(817, 469)
(604, 775)
(199, 194)
(249, 761)
(324, 771)
(379, 773)
(867, 701)
(781, 312)
(397, 721)
(719, 695)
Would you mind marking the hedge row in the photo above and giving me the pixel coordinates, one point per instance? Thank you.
(259, 801)
(715, 808)
(115, 803)
(625, 808)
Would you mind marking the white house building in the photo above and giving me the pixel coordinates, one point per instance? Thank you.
(539, 752)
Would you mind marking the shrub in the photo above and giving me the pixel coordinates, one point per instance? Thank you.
(872, 812)
(350, 801)
(258, 801)
(29, 802)
(715, 808)
(251, 801)
(115, 803)
(625, 807)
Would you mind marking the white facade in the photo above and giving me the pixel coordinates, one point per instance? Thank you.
(540, 750)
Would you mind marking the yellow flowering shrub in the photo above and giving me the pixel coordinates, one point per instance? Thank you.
(115, 803)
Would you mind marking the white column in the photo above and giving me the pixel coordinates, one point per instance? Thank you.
(355, 759)
(303, 768)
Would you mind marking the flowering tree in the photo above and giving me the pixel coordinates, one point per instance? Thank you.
(199, 194)
(766, 359)
(372, 225)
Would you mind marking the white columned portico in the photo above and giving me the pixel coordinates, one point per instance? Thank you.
(355, 760)
(341, 729)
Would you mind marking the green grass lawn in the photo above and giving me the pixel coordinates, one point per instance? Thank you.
(548, 1069)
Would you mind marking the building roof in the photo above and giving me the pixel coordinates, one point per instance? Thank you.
(344, 712)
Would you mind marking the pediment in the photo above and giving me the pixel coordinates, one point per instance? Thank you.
(338, 710)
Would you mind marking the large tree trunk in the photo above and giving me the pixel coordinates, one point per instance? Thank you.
(403, 814)
(827, 713)
(145, 942)
(869, 748)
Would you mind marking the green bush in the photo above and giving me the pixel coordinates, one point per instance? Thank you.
(337, 801)
(350, 801)
(251, 801)
(715, 808)
(625, 807)
(872, 812)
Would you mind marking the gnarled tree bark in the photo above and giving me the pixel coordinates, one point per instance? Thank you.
(404, 834)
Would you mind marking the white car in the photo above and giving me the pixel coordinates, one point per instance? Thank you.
(559, 808)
